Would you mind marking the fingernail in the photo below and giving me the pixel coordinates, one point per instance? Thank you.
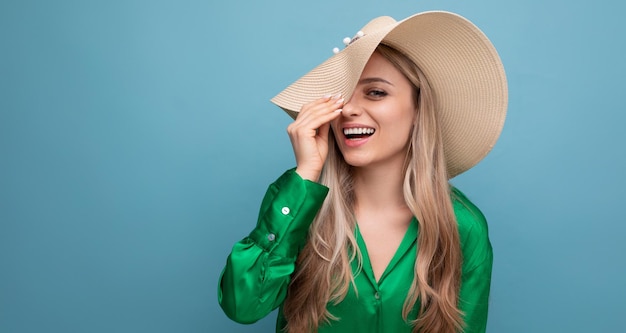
(327, 96)
(338, 110)
(336, 96)
(339, 101)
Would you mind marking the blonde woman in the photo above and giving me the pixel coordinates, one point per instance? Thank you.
(366, 234)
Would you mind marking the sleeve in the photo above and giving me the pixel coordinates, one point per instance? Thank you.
(259, 267)
(477, 265)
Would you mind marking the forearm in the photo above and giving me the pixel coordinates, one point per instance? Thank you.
(258, 270)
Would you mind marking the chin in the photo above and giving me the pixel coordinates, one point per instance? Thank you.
(356, 161)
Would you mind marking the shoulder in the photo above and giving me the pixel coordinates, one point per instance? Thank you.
(473, 230)
(469, 217)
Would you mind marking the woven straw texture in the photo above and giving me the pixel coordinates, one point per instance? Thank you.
(459, 61)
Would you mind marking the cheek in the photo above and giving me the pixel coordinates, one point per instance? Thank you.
(409, 131)
(404, 125)
(404, 117)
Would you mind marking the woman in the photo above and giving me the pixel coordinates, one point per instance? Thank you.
(366, 234)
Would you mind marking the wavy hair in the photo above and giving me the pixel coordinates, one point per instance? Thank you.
(323, 271)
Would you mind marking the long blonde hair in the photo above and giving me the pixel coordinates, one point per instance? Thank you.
(323, 271)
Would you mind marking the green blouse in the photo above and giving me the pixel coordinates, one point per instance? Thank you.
(258, 270)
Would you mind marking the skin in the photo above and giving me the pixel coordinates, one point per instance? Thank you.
(382, 101)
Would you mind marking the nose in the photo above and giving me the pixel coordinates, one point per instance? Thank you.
(351, 108)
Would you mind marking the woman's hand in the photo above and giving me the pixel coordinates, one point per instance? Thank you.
(309, 135)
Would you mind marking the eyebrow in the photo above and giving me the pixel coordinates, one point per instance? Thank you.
(374, 79)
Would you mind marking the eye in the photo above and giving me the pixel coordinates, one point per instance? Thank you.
(376, 93)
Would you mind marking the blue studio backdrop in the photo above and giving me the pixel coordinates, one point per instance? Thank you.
(137, 140)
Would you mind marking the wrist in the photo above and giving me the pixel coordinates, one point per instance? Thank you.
(307, 174)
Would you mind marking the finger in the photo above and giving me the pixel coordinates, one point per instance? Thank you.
(323, 131)
(316, 114)
(312, 123)
(323, 105)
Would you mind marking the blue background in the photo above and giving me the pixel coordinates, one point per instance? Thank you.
(137, 140)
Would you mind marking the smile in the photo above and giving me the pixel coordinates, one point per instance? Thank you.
(355, 133)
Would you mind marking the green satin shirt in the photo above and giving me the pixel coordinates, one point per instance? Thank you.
(258, 270)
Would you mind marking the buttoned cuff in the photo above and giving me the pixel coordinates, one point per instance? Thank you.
(288, 208)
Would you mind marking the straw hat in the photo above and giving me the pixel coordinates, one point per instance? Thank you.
(460, 63)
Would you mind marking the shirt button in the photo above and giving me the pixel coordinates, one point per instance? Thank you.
(285, 210)
(271, 237)
(376, 295)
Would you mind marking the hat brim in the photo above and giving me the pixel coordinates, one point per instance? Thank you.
(461, 64)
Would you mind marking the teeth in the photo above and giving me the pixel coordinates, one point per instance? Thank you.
(357, 130)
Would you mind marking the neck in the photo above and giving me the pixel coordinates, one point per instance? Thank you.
(379, 188)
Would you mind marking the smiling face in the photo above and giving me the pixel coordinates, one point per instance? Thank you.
(376, 122)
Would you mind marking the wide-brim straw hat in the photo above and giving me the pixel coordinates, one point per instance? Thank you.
(460, 63)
